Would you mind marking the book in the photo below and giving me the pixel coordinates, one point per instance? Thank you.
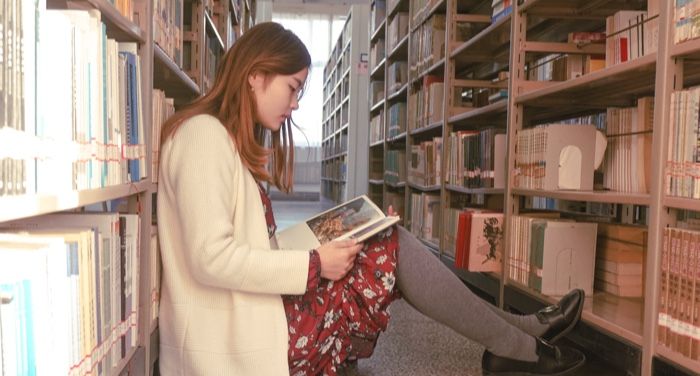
(357, 219)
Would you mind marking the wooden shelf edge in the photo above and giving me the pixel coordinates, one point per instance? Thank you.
(430, 188)
(376, 181)
(123, 363)
(396, 138)
(587, 79)
(594, 196)
(400, 93)
(427, 13)
(378, 67)
(587, 316)
(18, 207)
(376, 143)
(475, 191)
(402, 43)
(434, 67)
(212, 28)
(674, 357)
(682, 203)
(126, 28)
(377, 106)
(379, 30)
(685, 48)
(467, 45)
(160, 54)
(491, 109)
(426, 129)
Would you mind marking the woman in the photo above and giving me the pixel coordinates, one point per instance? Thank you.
(231, 305)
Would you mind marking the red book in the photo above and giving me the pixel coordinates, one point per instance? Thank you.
(462, 240)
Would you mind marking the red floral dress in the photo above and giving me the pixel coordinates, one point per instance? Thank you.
(338, 321)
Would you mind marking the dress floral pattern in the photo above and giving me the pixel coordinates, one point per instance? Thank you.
(334, 322)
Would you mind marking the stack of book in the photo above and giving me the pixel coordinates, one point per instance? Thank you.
(620, 260)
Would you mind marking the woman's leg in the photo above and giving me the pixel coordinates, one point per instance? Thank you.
(433, 290)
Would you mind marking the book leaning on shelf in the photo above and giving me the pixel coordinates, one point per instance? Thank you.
(357, 219)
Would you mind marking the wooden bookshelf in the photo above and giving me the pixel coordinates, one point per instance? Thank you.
(535, 29)
(17, 207)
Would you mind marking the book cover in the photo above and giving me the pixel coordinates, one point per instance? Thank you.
(357, 219)
(486, 242)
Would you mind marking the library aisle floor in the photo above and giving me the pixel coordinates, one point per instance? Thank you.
(415, 345)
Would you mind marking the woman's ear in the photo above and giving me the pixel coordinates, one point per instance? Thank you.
(256, 81)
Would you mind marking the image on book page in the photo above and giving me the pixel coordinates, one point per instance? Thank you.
(358, 218)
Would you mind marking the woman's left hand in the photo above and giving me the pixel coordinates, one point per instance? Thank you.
(390, 211)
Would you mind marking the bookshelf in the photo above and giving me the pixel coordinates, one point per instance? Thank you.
(488, 51)
(345, 136)
(157, 32)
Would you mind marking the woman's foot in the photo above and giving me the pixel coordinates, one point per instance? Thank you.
(552, 360)
(561, 317)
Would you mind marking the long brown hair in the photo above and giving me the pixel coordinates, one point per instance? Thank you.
(266, 48)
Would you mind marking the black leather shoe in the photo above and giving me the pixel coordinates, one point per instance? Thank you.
(563, 316)
(553, 360)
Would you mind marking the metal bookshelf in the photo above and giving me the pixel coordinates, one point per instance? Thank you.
(346, 110)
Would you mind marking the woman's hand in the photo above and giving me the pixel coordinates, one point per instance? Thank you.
(337, 258)
(390, 211)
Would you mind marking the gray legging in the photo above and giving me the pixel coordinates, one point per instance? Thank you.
(432, 289)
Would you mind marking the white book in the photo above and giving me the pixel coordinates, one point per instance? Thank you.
(357, 219)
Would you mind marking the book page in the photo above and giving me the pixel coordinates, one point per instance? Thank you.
(358, 219)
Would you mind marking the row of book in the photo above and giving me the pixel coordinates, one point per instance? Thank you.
(377, 53)
(626, 166)
(397, 76)
(167, 28)
(336, 145)
(562, 67)
(620, 260)
(686, 17)
(478, 239)
(425, 217)
(425, 104)
(469, 98)
(334, 191)
(682, 163)
(631, 34)
(396, 122)
(16, 82)
(395, 167)
(556, 156)
(552, 255)
(163, 108)
(376, 92)
(426, 158)
(477, 158)
(500, 9)
(398, 29)
(377, 14)
(376, 128)
(82, 127)
(70, 290)
(335, 169)
(427, 44)
(679, 296)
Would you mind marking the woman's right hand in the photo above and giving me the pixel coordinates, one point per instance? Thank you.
(337, 258)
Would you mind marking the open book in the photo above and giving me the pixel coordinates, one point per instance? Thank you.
(357, 219)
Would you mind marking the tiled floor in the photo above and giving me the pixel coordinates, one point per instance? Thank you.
(415, 344)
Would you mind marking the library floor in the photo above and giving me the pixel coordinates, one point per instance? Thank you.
(415, 344)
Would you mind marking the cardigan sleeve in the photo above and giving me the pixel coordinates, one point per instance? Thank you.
(203, 171)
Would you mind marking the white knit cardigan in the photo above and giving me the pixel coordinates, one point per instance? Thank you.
(220, 307)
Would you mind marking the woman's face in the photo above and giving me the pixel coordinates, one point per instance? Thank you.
(276, 97)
